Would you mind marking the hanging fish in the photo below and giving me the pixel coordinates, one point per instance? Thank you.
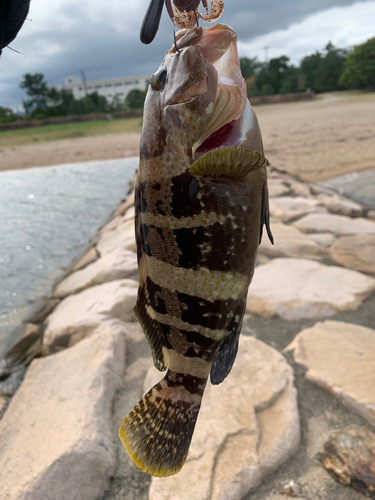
(201, 202)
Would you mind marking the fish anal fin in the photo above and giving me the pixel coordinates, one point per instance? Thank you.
(151, 329)
(265, 215)
(225, 357)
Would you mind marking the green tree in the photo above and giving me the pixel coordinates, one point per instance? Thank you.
(250, 66)
(330, 69)
(36, 88)
(309, 68)
(7, 115)
(267, 89)
(359, 66)
(135, 99)
(116, 103)
(273, 75)
(76, 107)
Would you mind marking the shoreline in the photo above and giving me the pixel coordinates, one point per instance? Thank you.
(317, 140)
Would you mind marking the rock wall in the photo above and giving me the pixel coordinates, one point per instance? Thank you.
(88, 363)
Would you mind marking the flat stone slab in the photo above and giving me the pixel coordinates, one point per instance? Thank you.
(342, 206)
(56, 437)
(340, 358)
(121, 209)
(247, 427)
(336, 224)
(301, 288)
(123, 236)
(289, 242)
(90, 256)
(277, 188)
(115, 265)
(79, 315)
(323, 239)
(355, 252)
(289, 209)
(300, 188)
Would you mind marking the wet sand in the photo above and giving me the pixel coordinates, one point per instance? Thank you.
(317, 140)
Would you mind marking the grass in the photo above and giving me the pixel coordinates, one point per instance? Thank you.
(12, 138)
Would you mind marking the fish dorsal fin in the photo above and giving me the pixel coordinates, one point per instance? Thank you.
(151, 328)
(230, 162)
(142, 310)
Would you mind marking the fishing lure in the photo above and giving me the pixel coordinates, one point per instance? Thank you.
(184, 14)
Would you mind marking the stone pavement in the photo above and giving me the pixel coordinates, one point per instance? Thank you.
(304, 368)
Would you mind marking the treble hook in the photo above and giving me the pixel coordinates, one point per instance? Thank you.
(196, 17)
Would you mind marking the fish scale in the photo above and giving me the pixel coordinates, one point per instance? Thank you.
(198, 226)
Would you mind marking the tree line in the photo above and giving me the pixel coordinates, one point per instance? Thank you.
(331, 69)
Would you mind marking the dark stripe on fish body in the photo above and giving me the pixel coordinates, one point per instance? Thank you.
(209, 314)
(191, 309)
(227, 247)
(203, 345)
(184, 196)
(219, 247)
(142, 203)
(194, 385)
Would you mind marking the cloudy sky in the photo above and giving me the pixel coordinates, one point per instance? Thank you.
(61, 37)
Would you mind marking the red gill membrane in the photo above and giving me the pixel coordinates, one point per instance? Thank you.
(217, 139)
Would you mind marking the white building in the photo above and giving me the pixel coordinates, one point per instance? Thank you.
(107, 88)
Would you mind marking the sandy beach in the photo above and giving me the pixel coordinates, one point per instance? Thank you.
(330, 136)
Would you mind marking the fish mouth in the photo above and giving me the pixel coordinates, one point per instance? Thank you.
(218, 45)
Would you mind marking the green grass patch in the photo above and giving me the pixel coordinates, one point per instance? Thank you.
(12, 138)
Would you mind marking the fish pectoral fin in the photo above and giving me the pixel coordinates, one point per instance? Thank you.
(265, 215)
(225, 357)
(151, 329)
(230, 162)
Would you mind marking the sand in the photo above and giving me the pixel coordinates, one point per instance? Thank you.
(104, 147)
(330, 136)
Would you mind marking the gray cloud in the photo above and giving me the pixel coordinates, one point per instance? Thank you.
(96, 43)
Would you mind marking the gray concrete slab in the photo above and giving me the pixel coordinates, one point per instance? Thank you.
(360, 186)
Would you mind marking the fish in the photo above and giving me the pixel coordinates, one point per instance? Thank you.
(201, 201)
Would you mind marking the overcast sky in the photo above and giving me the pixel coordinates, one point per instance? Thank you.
(61, 37)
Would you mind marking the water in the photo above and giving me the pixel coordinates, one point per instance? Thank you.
(47, 216)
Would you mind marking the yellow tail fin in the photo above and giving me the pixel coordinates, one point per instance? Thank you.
(157, 432)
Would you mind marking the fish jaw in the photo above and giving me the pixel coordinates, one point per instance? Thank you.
(231, 106)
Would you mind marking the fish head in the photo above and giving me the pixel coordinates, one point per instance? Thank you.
(197, 99)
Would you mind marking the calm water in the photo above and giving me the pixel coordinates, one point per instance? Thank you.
(47, 216)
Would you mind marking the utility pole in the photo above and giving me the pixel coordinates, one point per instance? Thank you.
(266, 52)
(266, 57)
(84, 80)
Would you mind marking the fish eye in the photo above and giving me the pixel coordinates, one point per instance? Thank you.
(159, 79)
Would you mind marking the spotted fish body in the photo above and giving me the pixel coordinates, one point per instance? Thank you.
(201, 202)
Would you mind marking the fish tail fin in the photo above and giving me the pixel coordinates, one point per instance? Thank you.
(157, 432)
